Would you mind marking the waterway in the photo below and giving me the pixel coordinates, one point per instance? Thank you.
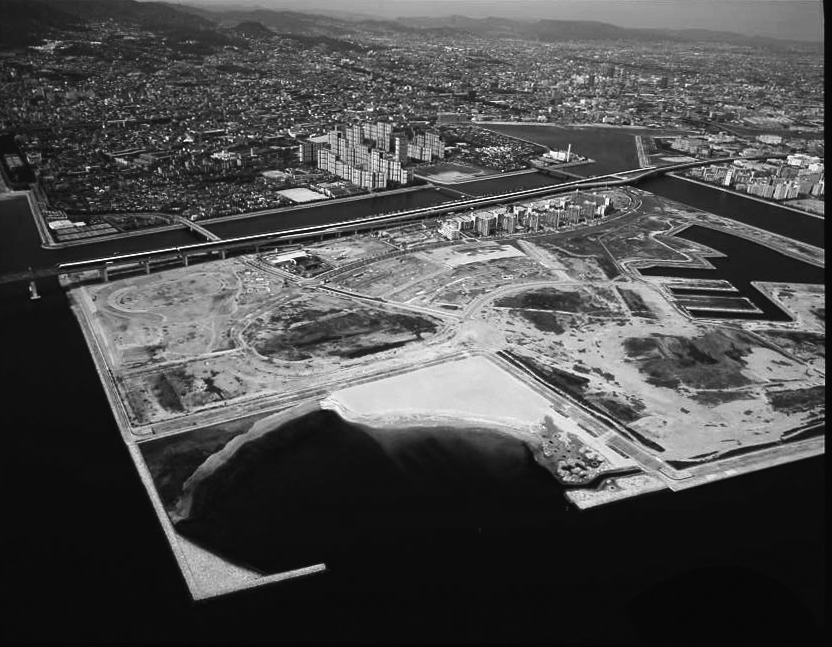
(613, 149)
(84, 556)
(743, 263)
(770, 217)
(325, 213)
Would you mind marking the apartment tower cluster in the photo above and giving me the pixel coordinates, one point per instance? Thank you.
(543, 215)
(372, 156)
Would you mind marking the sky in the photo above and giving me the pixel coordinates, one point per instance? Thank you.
(787, 19)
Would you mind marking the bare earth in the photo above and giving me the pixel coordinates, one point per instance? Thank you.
(555, 339)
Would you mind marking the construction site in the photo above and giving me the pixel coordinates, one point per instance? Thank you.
(551, 335)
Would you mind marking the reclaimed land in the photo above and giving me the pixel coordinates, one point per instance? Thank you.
(557, 325)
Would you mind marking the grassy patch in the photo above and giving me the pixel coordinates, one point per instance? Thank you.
(715, 398)
(635, 303)
(166, 394)
(349, 334)
(559, 379)
(545, 321)
(710, 361)
(624, 412)
(544, 299)
(806, 345)
(797, 400)
(574, 301)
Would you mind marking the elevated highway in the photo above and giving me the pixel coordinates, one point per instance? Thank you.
(215, 246)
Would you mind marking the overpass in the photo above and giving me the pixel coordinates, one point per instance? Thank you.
(220, 247)
(196, 228)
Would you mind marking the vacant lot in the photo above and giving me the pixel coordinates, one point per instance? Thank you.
(710, 361)
(452, 172)
(330, 326)
(599, 301)
(635, 303)
(389, 275)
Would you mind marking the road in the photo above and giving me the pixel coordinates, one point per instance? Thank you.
(242, 242)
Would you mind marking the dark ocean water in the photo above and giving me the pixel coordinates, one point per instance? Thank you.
(458, 537)
(496, 554)
(271, 506)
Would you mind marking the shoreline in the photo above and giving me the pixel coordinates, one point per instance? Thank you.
(673, 174)
(739, 233)
(207, 222)
(49, 244)
(569, 126)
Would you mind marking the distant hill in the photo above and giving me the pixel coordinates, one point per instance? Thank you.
(23, 22)
(26, 22)
(561, 30)
(252, 29)
(287, 22)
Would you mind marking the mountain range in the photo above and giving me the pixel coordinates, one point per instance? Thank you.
(29, 22)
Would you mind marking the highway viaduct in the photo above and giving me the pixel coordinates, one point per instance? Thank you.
(216, 247)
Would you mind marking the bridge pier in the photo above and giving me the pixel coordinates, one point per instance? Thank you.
(33, 290)
(146, 267)
(222, 254)
(185, 259)
(104, 274)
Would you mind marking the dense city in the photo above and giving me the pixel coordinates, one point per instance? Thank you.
(125, 128)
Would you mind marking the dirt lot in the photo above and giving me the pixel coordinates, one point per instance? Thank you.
(190, 339)
(325, 326)
(688, 388)
(806, 303)
(340, 251)
(450, 172)
(389, 275)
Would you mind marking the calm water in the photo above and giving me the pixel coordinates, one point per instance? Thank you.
(743, 263)
(613, 149)
(806, 229)
(429, 554)
(505, 559)
(326, 213)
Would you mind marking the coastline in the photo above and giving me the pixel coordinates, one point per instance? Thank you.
(295, 207)
(568, 126)
(48, 243)
(745, 195)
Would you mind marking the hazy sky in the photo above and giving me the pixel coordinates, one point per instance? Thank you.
(791, 19)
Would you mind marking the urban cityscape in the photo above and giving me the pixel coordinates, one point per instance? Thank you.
(396, 306)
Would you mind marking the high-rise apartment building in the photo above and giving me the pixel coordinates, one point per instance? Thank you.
(360, 154)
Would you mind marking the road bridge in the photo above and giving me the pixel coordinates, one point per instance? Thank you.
(216, 246)
(197, 228)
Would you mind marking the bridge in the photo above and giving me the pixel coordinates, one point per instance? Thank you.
(197, 228)
(216, 246)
